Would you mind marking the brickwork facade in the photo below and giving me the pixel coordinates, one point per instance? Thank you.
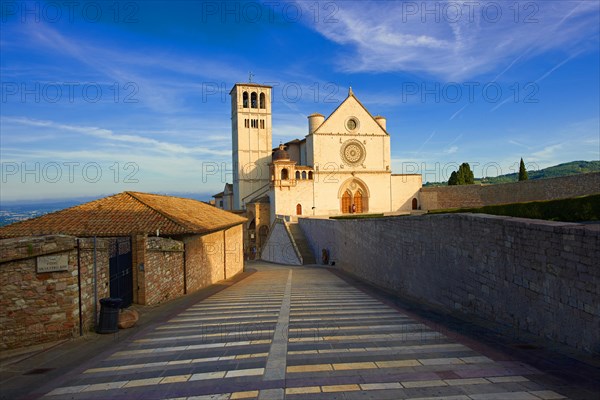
(444, 197)
(233, 251)
(213, 257)
(86, 267)
(163, 275)
(37, 307)
(534, 276)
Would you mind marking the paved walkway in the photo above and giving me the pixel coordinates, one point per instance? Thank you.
(296, 333)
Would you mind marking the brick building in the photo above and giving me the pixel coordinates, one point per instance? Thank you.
(143, 248)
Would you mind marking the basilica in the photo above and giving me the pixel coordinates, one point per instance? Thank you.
(341, 166)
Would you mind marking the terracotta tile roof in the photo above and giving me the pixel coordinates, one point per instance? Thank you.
(127, 213)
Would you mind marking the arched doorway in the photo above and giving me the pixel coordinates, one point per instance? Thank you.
(346, 202)
(298, 209)
(415, 204)
(354, 196)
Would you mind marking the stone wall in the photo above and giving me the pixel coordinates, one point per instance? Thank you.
(86, 267)
(37, 307)
(535, 276)
(280, 246)
(234, 251)
(163, 270)
(444, 197)
(138, 257)
(213, 257)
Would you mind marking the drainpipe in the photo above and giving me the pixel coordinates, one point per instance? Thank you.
(225, 254)
(95, 289)
(79, 287)
(391, 195)
(313, 183)
(184, 268)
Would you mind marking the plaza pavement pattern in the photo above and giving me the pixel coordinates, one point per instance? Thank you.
(297, 333)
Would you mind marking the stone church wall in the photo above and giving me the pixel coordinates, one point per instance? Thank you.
(444, 197)
(405, 188)
(531, 276)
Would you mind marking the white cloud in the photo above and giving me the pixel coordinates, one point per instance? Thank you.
(393, 36)
(163, 80)
(451, 150)
(106, 135)
(546, 153)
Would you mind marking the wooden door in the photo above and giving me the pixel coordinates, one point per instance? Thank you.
(358, 201)
(346, 202)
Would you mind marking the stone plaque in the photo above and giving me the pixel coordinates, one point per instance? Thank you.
(53, 263)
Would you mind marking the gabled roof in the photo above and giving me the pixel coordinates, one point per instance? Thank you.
(227, 190)
(351, 95)
(128, 213)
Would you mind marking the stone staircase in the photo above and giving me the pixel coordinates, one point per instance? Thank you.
(302, 244)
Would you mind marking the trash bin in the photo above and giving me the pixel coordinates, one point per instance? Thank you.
(109, 315)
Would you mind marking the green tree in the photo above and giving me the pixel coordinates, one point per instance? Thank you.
(522, 171)
(453, 179)
(464, 176)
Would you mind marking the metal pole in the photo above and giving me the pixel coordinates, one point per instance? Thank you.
(95, 289)
(79, 286)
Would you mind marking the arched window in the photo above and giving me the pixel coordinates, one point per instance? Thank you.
(358, 201)
(415, 204)
(253, 100)
(297, 174)
(298, 209)
(245, 99)
(310, 175)
(346, 202)
(303, 174)
(284, 174)
(262, 100)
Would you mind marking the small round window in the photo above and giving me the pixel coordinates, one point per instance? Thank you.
(352, 124)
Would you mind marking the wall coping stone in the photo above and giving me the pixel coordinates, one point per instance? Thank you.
(32, 246)
(154, 243)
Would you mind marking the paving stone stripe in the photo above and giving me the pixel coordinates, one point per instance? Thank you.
(298, 333)
(276, 363)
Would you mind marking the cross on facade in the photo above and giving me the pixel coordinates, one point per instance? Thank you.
(250, 75)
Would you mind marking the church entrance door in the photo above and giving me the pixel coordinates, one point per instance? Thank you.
(346, 202)
(358, 201)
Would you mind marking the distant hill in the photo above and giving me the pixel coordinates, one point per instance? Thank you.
(570, 168)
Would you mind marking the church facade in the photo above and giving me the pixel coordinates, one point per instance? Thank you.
(341, 166)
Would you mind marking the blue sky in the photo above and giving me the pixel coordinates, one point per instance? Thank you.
(100, 97)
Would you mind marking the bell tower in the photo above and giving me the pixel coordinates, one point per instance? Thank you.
(251, 132)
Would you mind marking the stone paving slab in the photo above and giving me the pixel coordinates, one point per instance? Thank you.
(299, 333)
